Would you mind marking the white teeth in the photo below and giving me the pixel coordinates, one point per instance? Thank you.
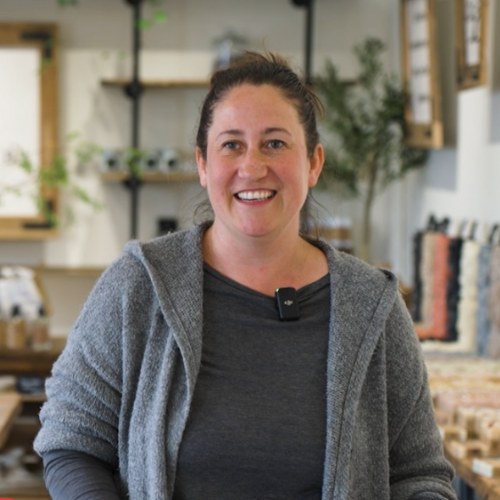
(255, 195)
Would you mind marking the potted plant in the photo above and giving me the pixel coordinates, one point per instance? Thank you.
(57, 176)
(365, 150)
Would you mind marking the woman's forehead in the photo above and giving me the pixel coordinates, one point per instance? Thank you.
(248, 101)
(251, 89)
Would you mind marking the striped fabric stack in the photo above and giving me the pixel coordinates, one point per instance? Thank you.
(456, 299)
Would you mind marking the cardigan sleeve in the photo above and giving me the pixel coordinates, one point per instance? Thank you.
(418, 468)
(84, 392)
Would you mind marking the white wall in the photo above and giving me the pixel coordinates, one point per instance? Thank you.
(92, 37)
(461, 180)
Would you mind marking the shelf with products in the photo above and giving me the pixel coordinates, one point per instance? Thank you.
(156, 177)
(483, 486)
(27, 361)
(34, 329)
(133, 88)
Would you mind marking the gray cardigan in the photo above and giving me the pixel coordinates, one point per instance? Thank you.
(122, 388)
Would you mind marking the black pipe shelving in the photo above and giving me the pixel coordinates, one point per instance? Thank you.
(308, 5)
(134, 90)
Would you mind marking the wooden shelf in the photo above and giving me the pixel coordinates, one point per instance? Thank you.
(41, 268)
(152, 177)
(158, 84)
(14, 229)
(70, 271)
(30, 362)
(33, 398)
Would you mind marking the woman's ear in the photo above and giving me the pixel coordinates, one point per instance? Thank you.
(201, 163)
(316, 165)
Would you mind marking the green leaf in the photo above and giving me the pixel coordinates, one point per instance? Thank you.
(144, 24)
(24, 162)
(83, 196)
(133, 157)
(45, 63)
(72, 136)
(364, 139)
(87, 151)
(160, 16)
(56, 175)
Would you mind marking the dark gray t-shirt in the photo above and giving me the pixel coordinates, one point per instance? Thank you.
(258, 418)
(257, 423)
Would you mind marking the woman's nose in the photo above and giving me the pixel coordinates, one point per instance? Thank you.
(253, 165)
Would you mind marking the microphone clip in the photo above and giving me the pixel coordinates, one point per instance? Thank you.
(288, 305)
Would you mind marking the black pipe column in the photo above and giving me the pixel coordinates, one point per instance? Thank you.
(133, 90)
(308, 39)
(308, 49)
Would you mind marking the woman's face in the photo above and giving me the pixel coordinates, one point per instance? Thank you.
(257, 171)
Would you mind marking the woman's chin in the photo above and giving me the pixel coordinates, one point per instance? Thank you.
(260, 230)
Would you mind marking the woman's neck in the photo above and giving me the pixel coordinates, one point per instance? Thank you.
(265, 264)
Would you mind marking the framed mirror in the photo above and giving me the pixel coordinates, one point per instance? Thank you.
(28, 123)
(423, 115)
(470, 39)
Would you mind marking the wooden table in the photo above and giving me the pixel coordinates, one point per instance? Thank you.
(10, 407)
(487, 488)
(23, 362)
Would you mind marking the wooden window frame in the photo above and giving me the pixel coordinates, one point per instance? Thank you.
(14, 35)
(423, 135)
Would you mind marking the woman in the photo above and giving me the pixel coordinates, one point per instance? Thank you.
(333, 404)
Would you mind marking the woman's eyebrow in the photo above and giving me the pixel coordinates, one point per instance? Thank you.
(267, 131)
(230, 132)
(271, 130)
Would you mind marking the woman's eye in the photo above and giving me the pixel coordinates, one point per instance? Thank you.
(276, 144)
(230, 145)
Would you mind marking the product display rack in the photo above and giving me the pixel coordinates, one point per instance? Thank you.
(134, 89)
(471, 482)
(308, 5)
(30, 362)
(156, 177)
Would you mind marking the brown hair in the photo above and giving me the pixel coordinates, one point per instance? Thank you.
(261, 69)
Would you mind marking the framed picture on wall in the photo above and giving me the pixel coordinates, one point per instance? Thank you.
(470, 38)
(423, 115)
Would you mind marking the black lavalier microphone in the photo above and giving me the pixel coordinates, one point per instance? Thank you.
(288, 305)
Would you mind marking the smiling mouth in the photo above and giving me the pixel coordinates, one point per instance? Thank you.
(255, 195)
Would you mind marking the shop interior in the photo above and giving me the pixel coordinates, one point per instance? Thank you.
(104, 95)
